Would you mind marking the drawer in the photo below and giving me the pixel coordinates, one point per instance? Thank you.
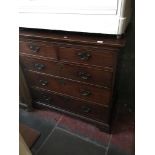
(37, 48)
(85, 92)
(90, 56)
(86, 109)
(85, 74)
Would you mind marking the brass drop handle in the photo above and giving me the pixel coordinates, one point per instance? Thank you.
(39, 66)
(43, 82)
(86, 109)
(34, 48)
(84, 75)
(84, 55)
(85, 92)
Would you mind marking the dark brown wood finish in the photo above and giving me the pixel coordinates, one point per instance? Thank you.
(78, 107)
(101, 77)
(87, 55)
(37, 48)
(71, 72)
(68, 87)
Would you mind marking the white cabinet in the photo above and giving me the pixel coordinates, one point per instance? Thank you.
(94, 16)
(69, 6)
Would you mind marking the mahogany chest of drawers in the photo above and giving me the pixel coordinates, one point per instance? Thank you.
(71, 72)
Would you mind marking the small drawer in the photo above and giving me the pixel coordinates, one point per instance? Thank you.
(39, 65)
(37, 48)
(82, 91)
(90, 56)
(85, 74)
(75, 106)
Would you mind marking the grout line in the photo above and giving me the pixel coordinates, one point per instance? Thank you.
(107, 149)
(85, 139)
(49, 135)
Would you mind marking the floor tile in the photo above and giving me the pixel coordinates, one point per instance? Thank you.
(63, 143)
(81, 137)
(85, 130)
(49, 115)
(115, 151)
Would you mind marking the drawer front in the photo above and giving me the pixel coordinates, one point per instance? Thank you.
(90, 56)
(38, 49)
(82, 108)
(39, 65)
(75, 89)
(85, 74)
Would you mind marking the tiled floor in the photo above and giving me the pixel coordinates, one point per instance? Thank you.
(64, 135)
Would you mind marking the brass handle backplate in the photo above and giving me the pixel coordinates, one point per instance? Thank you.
(39, 66)
(86, 109)
(84, 55)
(85, 92)
(34, 48)
(84, 75)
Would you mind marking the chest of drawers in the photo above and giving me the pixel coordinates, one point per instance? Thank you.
(71, 72)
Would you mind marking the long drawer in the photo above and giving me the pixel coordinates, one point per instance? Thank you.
(85, 74)
(38, 48)
(89, 93)
(82, 108)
